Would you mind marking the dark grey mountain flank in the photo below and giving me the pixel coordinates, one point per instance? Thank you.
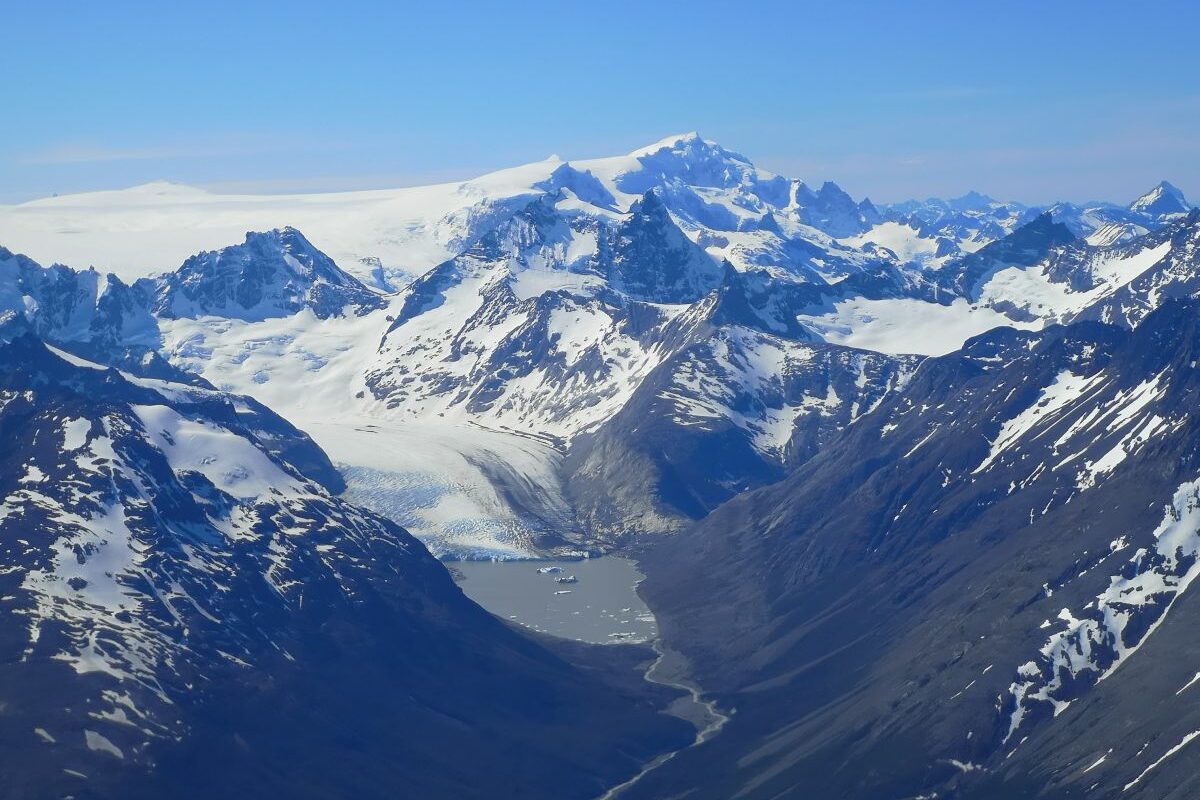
(190, 611)
(940, 600)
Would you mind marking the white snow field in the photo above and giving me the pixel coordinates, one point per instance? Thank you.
(903, 325)
(465, 489)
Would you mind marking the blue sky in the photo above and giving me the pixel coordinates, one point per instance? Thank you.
(1032, 101)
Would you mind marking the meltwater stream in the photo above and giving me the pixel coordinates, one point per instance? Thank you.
(593, 600)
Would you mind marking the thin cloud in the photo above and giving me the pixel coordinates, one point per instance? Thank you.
(93, 153)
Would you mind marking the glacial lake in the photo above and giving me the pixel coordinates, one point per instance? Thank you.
(600, 606)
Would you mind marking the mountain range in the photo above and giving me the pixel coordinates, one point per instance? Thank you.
(908, 483)
(723, 308)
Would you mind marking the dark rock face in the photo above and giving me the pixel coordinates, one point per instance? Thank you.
(976, 590)
(652, 260)
(271, 274)
(92, 315)
(189, 612)
(831, 210)
(733, 409)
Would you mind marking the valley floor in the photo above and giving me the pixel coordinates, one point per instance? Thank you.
(601, 606)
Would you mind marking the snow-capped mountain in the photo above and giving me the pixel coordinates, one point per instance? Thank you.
(735, 407)
(989, 572)
(187, 604)
(950, 227)
(1023, 247)
(74, 306)
(560, 321)
(933, 231)
(547, 322)
(1057, 279)
(272, 274)
(1038, 275)
(92, 314)
(385, 238)
(1163, 201)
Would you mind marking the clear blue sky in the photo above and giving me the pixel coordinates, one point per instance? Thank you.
(1026, 100)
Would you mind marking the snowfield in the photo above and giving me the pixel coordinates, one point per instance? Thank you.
(902, 325)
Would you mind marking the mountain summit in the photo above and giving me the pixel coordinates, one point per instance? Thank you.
(271, 274)
(1162, 200)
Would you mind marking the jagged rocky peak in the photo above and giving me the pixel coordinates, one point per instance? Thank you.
(271, 274)
(532, 226)
(1030, 240)
(832, 210)
(15, 270)
(830, 192)
(653, 260)
(1164, 199)
(1041, 228)
(78, 306)
(692, 161)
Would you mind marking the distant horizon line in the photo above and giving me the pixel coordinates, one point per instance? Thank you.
(295, 187)
(382, 182)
